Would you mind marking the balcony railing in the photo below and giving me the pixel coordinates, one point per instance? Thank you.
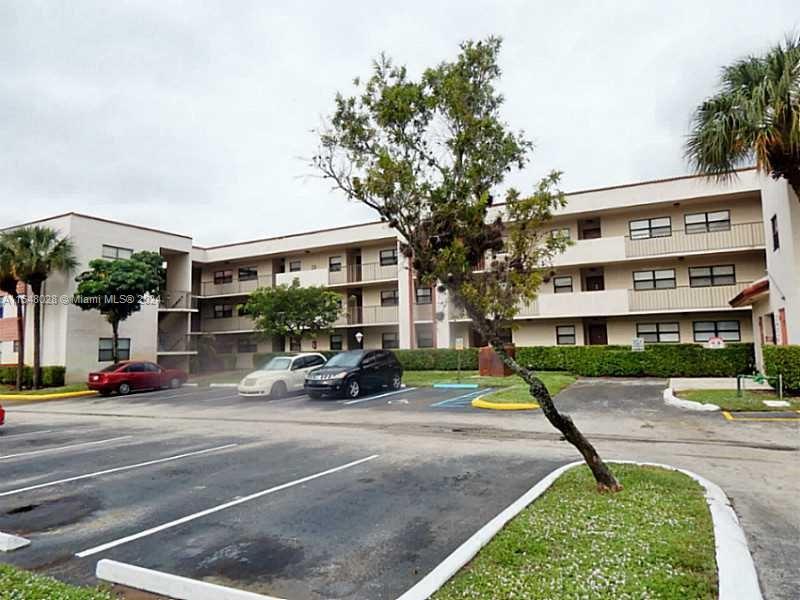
(209, 288)
(174, 300)
(361, 273)
(423, 312)
(684, 297)
(741, 235)
(175, 343)
(368, 315)
(236, 323)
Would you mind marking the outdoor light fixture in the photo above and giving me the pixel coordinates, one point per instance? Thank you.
(359, 338)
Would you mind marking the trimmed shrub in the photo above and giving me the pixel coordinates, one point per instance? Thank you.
(783, 360)
(437, 359)
(52, 376)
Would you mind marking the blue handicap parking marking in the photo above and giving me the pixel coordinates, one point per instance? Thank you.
(462, 400)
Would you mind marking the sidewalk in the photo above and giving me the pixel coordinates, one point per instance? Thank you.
(714, 383)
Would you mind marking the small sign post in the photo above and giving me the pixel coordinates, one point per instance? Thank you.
(459, 348)
(637, 344)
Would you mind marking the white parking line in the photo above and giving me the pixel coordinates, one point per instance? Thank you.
(16, 435)
(70, 447)
(214, 509)
(115, 470)
(368, 398)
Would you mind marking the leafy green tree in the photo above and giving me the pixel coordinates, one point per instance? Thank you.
(428, 154)
(37, 252)
(118, 288)
(754, 115)
(10, 285)
(292, 311)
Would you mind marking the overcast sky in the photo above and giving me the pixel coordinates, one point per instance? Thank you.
(195, 117)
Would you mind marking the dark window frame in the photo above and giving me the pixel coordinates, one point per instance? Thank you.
(115, 255)
(562, 289)
(338, 345)
(650, 230)
(563, 337)
(223, 276)
(246, 345)
(295, 262)
(712, 276)
(776, 238)
(225, 311)
(295, 344)
(707, 225)
(658, 332)
(122, 352)
(387, 257)
(335, 264)
(640, 284)
(392, 297)
(392, 344)
(716, 331)
(427, 295)
(250, 273)
(428, 331)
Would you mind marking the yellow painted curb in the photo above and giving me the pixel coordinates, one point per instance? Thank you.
(58, 396)
(729, 417)
(481, 403)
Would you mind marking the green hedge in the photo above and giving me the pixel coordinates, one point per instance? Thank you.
(668, 360)
(784, 360)
(441, 359)
(52, 376)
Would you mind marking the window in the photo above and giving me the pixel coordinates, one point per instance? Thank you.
(562, 285)
(115, 252)
(727, 330)
(335, 264)
(657, 279)
(424, 337)
(295, 265)
(224, 344)
(707, 276)
(314, 361)
(246, 344)
(708, 221)
(15, 346)
(221, 277)
(658, 332)
(389, 340)
(388, 257)
(776, 241)
(223, 311)
(336, 342)
(650, 228)
(389, 298)
(423, 295)
(248, 273)
(105, 346)
(560, 232)
(565, 335)
(294, 344)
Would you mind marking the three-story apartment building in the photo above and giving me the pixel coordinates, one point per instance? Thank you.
(658, 260)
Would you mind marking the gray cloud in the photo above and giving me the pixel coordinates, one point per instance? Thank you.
(193, 116)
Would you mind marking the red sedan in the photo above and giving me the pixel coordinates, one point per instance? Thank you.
(130, 375)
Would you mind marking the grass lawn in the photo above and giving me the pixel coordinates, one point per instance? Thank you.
(727, 399)
(220, 377)
(16, 584)
(514, 389)
(654, 539)
(75, 387)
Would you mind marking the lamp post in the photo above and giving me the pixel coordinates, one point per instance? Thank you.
(360, 339)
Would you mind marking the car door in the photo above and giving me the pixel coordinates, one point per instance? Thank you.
(155, 375)
(370, 370)
(136, 376)
(297, 374)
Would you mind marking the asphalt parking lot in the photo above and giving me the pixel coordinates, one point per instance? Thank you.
(309, 499)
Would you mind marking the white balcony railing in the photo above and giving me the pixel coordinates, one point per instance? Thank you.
(741, 235)
(361, 273)
(368, 315)
(223, 324)
(176, 300)
(209, 288)
(598, 250)
(684, 297)
(311, 277)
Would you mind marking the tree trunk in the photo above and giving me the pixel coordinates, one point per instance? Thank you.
(36, 288)
(606, 482)
(20, 342)
(114, 339)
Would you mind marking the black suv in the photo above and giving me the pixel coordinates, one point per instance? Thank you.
(349, 373)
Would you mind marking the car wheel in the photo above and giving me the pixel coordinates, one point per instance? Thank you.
(278, 390)
(124, 389)
(397, 381)
(352, 389)
(314, 395)
(175, 383)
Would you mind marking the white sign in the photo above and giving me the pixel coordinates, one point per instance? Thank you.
(715, 342)
(637, 344)
(459, 343)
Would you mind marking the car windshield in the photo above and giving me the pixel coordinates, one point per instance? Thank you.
(112, 368)
(345, 359)
(279, 363)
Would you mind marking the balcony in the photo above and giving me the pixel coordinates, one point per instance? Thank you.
(311, 277)
(362, 273)
(176, 300)
(685, 298)
(423, 312)
(175, 344)
(584, 304)
(739, 236)
(598, 250)
(368, 315)
(223, 325)
(233, 288)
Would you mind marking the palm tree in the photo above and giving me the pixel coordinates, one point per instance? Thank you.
(10, 285)
(754, 116)
(36, 253)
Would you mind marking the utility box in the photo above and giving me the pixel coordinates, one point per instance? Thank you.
(490, 365)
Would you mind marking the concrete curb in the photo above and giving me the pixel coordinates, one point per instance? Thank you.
(58, 396)
(223, 385)
(671, 399)
(736, 572)
(166, 584)
(479, 402)
(9, 542)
